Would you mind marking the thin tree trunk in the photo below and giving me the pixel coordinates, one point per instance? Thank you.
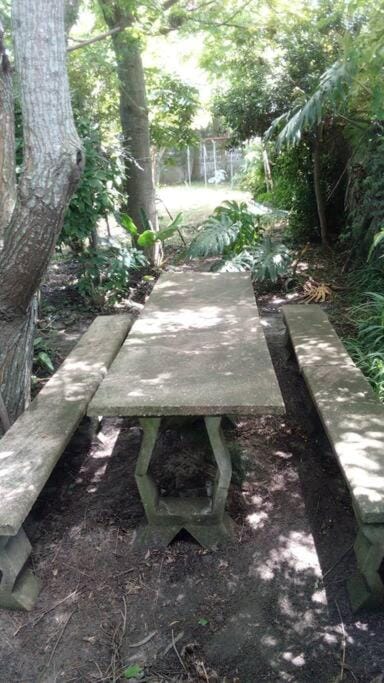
(139, 186)
(157, 160)
(320, 199)
(7, 140)
(51, 169)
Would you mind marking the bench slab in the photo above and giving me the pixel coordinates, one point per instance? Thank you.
(353, 419)
(34, 443)
(314, 340)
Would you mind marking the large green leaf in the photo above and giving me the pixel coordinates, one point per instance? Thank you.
(214, 237)
(147, 239)
(127, 223)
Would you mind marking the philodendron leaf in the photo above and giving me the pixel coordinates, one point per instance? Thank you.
(133, 671)
(166, 232)
(45, 360)
(147, 239)
(128, 224)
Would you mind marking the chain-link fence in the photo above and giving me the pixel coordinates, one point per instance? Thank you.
(212, 162)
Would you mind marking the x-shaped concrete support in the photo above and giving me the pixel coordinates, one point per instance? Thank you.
(204, 518)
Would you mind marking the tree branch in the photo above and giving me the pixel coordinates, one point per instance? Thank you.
(95, 39)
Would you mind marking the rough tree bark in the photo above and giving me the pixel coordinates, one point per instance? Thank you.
(7, 140)
(53, 161)
(134, 118)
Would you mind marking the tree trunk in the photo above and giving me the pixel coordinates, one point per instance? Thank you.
(141, 198)
(320, 201)
(157, 160)
(52, 166)
(7, 140)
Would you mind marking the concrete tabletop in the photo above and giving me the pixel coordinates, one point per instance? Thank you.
(198, 348)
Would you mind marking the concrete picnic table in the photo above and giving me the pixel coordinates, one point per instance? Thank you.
(197, 349)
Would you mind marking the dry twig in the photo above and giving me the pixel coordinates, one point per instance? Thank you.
(177, 652)
(343, 643)
(59, 639)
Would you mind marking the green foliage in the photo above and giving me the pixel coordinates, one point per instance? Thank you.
(271, 260)
(305, 116)
(365, 198)
(106, 272)
(268, 261)
(215, 236)
(236, 233)
(252, 174)
(172, 105)
(274, 66)
(377, 242)
(367, 348)
(97, 193)
(231, 227)
(42, 354)
(133, 671)
(235, 263)
(149, 237)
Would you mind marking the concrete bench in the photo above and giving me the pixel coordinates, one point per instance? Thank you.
(32, 446)
(353, 419)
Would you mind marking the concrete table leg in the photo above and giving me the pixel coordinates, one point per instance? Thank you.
(19, 587)
(204, 518)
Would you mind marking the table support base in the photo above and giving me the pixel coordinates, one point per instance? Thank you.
(208, 535)
(204, 518)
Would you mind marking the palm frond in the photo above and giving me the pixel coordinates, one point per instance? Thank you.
(333, 87)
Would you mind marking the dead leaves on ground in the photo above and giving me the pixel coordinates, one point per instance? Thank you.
(316, 292)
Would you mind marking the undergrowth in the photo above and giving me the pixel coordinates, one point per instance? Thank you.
(367, 317)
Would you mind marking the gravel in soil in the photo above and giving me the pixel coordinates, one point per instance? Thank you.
(271, 606)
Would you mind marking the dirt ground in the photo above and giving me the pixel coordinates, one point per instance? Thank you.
(271, 606)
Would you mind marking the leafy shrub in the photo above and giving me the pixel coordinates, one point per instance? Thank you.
(42, 354)
(235, 232)
(365, 196)
(231, 228)
(268, 262)
(149, 237)
(367, 348)
(271, 260)
(97, 193)
(106, 272)
(252, 175)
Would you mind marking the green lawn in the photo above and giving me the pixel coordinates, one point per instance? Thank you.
(196, 202)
